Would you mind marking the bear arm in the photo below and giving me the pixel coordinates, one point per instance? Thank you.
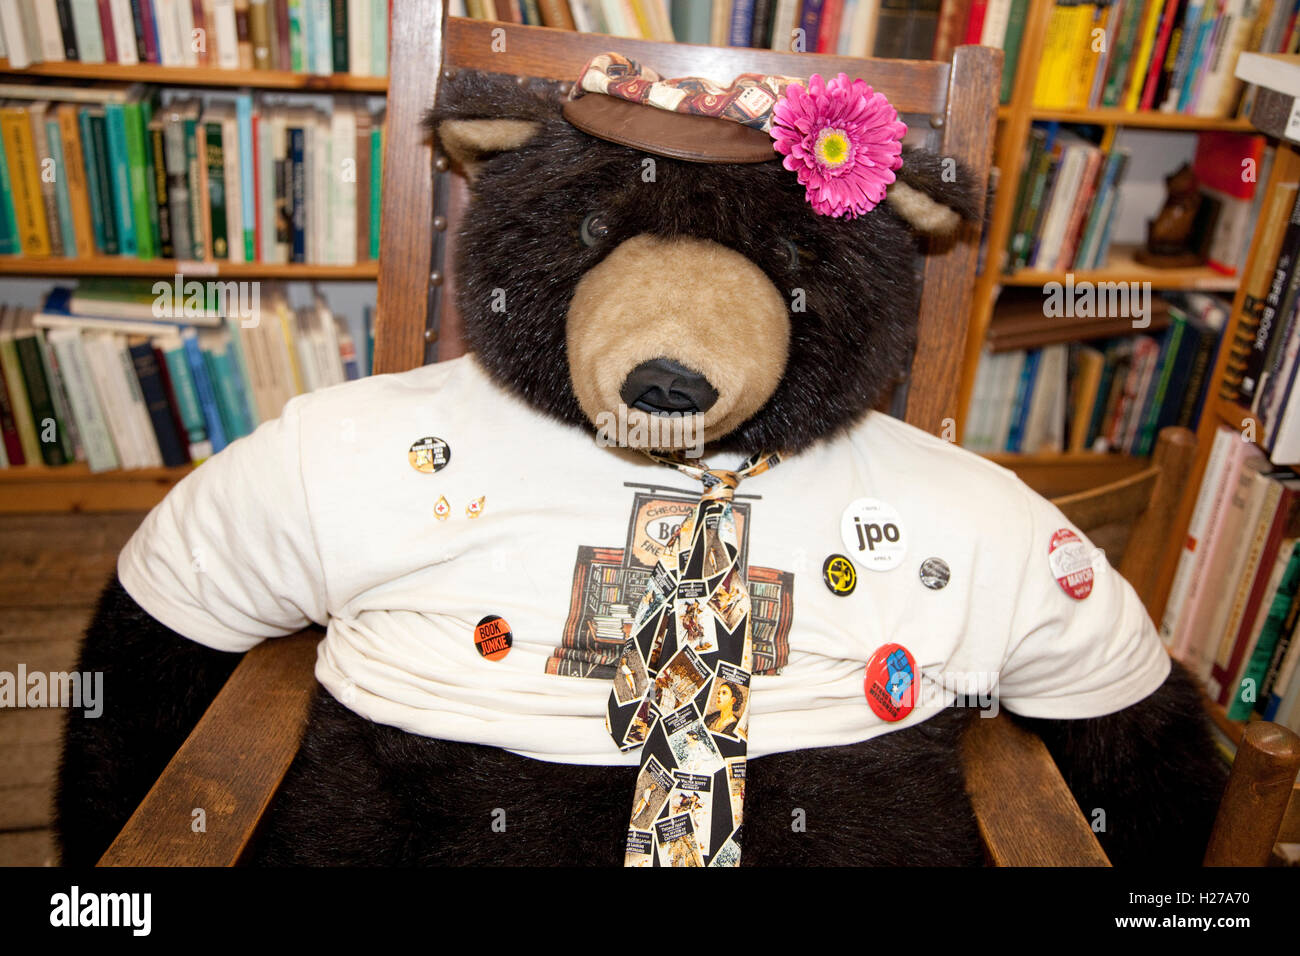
(1151, 767)
(157, 684)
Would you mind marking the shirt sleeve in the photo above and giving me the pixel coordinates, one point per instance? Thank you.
(229, 557)
(1084, 649)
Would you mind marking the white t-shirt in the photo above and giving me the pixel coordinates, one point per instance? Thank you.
(319, 516)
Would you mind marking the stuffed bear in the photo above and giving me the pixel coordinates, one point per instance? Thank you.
(485, 538)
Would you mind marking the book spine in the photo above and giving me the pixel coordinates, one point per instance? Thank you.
(9, 440)
(24, 423)
(187, 402)
(74, 170)
(280, 31)
(29, 205)
(162, 191)
(1281, 619)
(69, 429)
(259, 28)
(155, 399)
(204, 389)
(9, 239)
(94, 194)
(297, 38)
(62, 195)
(214, 159)
(100, 453)
(297, 185)
(376, 180)
(132, 126)
(339, 35)
(86, 27)
(194, 165)
(379, 38)
(120, 172)
(40, 400)
(48, 184)
(248, 192)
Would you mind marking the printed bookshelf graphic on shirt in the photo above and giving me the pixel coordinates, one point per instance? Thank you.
(608, 583)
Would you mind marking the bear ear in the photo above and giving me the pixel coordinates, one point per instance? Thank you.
(479, 115)
(933, 194)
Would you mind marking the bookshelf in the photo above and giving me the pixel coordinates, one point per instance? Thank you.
(1015, 120)
(74, 487)
(202, 76)
(1223, 411)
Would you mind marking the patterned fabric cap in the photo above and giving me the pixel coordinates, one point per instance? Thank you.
(749, 99)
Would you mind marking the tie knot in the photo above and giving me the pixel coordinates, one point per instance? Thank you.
(719, 484)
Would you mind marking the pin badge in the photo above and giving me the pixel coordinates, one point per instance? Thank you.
(441, 509)
(475, 507)
(840, 575)
(429, 455)
(890, 682)
(872, 534)
(492, 637)
(935, 573)
(1071, 563)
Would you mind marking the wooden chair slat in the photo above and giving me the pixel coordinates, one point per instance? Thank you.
(406, 236)
(969, 124)
(230, 766)
(1027, 815)
(1259, 790)
(913, 86)
(1122, 501)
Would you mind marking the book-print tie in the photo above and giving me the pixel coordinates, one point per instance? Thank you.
(681, 689)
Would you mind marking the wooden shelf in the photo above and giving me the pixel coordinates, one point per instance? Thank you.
(1123, 267)
(1142, 119)
(1145, 119)
(202, 76)
(122, 266)
(29, 488)
(1232, 414)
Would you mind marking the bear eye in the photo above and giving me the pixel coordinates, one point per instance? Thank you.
(787, 253)
(594, 228)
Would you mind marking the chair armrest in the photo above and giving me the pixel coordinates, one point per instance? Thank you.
(1026, 813)
(230, 766)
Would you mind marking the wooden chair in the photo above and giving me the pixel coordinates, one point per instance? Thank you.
(236, 757)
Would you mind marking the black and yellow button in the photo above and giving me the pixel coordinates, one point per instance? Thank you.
(840, 575)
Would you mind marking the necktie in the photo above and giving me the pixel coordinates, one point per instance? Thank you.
(681, 690)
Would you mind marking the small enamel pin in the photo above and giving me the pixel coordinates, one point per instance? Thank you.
(475, 507)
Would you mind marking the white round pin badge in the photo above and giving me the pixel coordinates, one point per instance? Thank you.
(873, 536)
(1071, 563)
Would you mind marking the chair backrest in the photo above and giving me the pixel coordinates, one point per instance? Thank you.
(1129, 519)
(955, 103)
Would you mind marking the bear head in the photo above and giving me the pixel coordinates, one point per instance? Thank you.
(593, 275)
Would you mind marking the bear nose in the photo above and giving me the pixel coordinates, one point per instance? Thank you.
(661, 386)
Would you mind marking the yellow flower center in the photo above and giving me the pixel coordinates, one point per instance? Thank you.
(832, 147)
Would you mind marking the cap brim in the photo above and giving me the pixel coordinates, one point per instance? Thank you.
(686, 136)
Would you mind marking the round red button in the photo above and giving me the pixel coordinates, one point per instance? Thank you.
(890, 682)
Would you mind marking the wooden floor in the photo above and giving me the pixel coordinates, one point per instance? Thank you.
(52, 568)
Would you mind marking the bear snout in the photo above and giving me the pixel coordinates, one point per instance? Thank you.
(667, 326)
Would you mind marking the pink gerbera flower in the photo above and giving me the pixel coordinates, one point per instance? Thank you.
(843, 139)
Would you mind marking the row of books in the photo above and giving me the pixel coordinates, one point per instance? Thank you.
(1175, 56)
(898, 29)
(304, 36)
(81, 380)
(1101, 394)
(1069, 198)
(1260, 372)
(146, 172)
(1235, 600)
